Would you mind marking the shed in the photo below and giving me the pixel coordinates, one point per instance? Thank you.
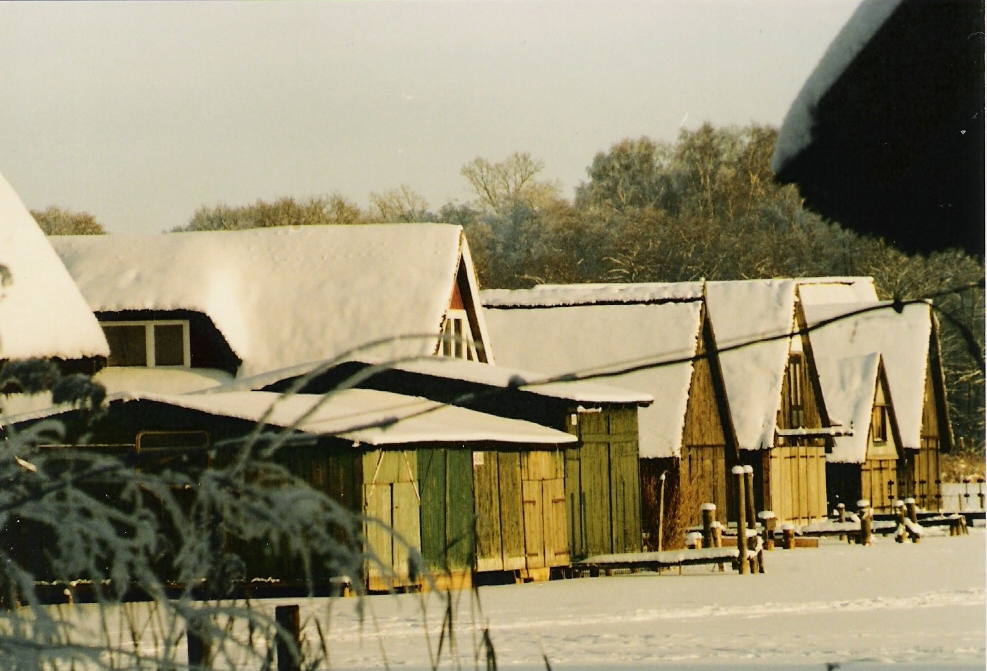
(663, 334)
(393, 458)
(600, 497)
(781, 423)
(186, 311)
(908, 340)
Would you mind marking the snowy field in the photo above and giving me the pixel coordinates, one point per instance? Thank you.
(916, 606)
(920, 605)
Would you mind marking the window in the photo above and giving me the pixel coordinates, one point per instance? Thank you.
(159, 343)
(879, 424)
(796, 391)
(457, 338)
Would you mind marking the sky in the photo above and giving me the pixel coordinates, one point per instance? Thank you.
(140, 113)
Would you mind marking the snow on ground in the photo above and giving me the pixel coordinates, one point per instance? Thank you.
(840, 603)
(917, 606)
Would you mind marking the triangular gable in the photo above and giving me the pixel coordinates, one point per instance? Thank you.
(287, 296)
(596, 328)
(42, 313)
(753, 320)
(852, 386)
(903, 340)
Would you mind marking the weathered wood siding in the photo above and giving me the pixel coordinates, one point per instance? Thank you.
(391, 501)
(445, 480)
(703, 461)
(543, 497)
(918, 470)
(793, 472)
(602, 490)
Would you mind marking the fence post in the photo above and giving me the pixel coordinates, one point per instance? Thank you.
(864, 512)
(288, 638)
(741, 520)
(912, 510)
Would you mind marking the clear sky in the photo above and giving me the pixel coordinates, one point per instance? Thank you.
(141, 112)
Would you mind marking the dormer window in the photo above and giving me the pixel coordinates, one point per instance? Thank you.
(457, 338)
(151, 344)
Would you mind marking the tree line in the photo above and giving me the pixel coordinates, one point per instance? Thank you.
(703, 206)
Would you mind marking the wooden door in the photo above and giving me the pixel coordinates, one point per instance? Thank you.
(377, 531)
(511, 510)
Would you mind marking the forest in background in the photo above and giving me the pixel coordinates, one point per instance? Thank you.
(703, 206)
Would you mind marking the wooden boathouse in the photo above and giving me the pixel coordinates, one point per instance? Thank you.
(687, 439)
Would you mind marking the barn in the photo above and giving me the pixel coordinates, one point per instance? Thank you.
(907, 337)
(782, 427)
(663, 333)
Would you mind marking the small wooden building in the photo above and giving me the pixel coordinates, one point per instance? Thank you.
(864, 462)
(662, 330)
(782, 427)
(600, 495)
(403, 463)
(908, 341)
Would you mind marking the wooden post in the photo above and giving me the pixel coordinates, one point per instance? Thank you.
(841, 517)
(864, 512)
(912, 508)
(709, 515)
(899, 518)
(741, 520)
(288, 638)
(788, 536)
(749, 486)
(717, 535)
(661, 507)
(768, 521)
(199, 646)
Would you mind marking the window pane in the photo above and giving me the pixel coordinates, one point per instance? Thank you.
(127, 345)
(169, 345)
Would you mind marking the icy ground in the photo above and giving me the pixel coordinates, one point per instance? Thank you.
(919, 605)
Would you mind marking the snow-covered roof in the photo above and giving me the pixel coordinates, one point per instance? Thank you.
(159, 379)
(796, 129)
(284, 296)
(849, 383)
(902, 339)
(42, 313)
(745, 312)
(555, 295)
(824, 290)
(376, 418)
(597, 337)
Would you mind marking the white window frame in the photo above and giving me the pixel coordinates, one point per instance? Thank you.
(149, 340)
(461, 345)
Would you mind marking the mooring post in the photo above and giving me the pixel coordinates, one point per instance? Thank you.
(709, 514)
(899, 518)
(912, 510)
(749, 488)
(288, 638)
(788, 536)
(738, 471)
(769, 522)
(864, 512)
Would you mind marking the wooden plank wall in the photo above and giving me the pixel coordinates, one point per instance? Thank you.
(391, 497)
(446, 485)
(796, 483)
